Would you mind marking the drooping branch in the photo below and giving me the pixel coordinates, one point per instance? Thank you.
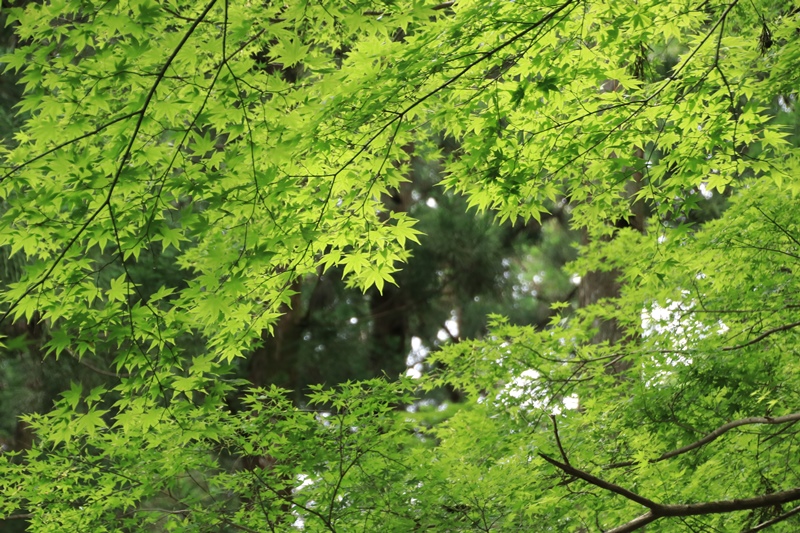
(794, 417)
(729, 426)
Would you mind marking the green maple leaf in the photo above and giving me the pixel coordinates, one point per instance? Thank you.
(289, 52)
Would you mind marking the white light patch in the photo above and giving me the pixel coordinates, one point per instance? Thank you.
(571, 402)
(527, 392)
(676, 329)
(415, 357)
(416, 343)
(432, 203)
(450, 329)
(452, 325)
(304, 480)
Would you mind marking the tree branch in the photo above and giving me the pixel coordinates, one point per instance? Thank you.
(558, 440)
(636, 523)
(772, 521)
(596, 481)
(657, 510)
(729, 506)
(762, 336)
(794, 417)
(21, 516)
(93, 368)
(67, 143)
(781, 228)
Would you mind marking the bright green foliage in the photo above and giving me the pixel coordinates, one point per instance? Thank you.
(249, 144)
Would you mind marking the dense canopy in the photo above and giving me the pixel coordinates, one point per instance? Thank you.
(245, 147)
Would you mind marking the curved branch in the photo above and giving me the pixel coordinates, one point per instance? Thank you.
(636, 523)
(772, 521)
(723, 506)
(794, 417)
(729, 426)
(657, 510)
(596, 481)
(761, 337)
